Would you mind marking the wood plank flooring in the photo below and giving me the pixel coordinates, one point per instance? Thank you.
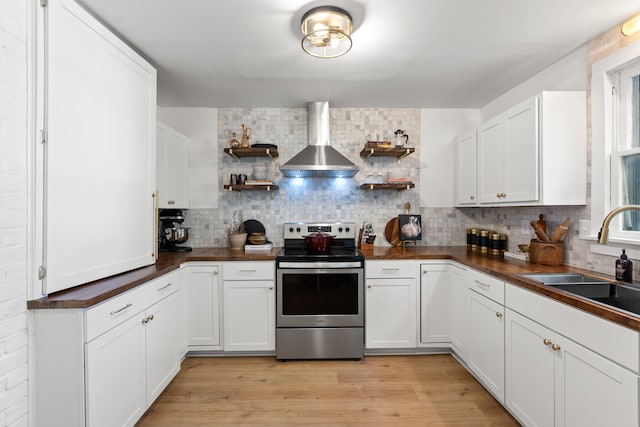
(428, 390)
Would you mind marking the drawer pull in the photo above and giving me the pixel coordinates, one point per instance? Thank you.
(482, 285)
(121, 309)
(498, 314)
(147, 319)
(248, 271)
(546, 341)
(555, 347)
(165, 287)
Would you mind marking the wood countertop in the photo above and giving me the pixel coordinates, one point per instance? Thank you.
(507, 269)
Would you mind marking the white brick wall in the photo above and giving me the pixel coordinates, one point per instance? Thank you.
(14, 370)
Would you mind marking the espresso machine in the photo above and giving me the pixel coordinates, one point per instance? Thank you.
(171, 234)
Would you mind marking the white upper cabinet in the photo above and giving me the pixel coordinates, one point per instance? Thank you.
(466, 154)
(96, 172)
(172, 168)
(534, 153)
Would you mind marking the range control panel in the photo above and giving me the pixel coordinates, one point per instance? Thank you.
(340, 230)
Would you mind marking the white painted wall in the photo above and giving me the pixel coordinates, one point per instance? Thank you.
(569, 73)
(14, 367)
(201, 126)
(438, 129)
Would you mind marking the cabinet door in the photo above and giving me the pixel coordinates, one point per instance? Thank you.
(172, 168)
(249, 315)
(491, 161)
(521, 152)
(390, 313)
(591, 390)
(435, 303)
(204, 306)
(486, 344)
(459, 310)
(161, 332)
(100, 157)
(466, 154)
(115, 375)
(529, 370)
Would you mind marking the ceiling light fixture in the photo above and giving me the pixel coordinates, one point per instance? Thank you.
(326, 32)
(631, 27)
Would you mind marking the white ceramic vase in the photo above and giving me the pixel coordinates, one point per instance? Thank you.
(237, 241)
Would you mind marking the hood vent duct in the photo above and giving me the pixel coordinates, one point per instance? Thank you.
(319, 159)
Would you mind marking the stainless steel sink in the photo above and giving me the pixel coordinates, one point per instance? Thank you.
(620, 295)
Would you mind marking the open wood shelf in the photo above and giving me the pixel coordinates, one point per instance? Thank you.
(397, 187)
(265, 187)
(251, 152)
(387, 152)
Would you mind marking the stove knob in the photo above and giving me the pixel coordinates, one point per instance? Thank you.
(298, 229)
(290, 229)
(340, 230)
(347, 229)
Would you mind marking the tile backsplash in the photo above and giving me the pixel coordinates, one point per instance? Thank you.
(316, 199)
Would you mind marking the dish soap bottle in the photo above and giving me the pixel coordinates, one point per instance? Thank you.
(624, 268)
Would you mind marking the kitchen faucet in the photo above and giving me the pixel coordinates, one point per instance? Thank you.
(603, 234)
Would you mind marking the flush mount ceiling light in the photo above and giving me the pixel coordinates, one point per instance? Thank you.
(326, 32)
(631, 27)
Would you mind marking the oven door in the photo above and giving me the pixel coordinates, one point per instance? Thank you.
(320, 297)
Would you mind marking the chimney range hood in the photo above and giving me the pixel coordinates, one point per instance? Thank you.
(319, 159)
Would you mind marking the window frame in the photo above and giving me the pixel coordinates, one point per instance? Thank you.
(606, 112)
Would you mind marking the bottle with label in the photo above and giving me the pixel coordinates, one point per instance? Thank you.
(624, 268)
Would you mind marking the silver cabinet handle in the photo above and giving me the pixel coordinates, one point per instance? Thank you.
(482, 285)
(165, 287)
(390, 269)
(120, 309)
(215, 273)
(147, 319)
(247, 271)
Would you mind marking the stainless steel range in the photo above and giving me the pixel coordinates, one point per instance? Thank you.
(320, 296)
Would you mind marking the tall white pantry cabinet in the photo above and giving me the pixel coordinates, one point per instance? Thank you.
(95, 158)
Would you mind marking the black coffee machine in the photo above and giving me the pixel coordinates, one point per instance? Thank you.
(171, 234)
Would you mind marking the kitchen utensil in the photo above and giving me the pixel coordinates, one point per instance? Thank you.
(542, 223)
(392, 232)
(402, 139)
(176, 234)
(541, 235)
(560, 231)
(319, 241)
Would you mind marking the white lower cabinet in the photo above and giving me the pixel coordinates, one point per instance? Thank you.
(435, 303)
(205, 319)
(553, 381)
(390, 304)
(486, 342)
(115, 376)
(249, 306)
(459, 310)
(128, 367)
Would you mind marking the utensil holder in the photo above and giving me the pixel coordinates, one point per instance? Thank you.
(546, 253)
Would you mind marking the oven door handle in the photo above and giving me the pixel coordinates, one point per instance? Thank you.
(320, 264)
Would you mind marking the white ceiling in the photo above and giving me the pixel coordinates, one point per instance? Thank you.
(406, 53)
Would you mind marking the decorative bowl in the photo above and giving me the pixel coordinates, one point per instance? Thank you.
(524, 247)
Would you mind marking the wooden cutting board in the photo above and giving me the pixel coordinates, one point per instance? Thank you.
(392, 232)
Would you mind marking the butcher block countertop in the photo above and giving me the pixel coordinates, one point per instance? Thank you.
(507, 269)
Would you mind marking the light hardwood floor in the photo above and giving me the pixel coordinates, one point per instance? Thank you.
(429, 390)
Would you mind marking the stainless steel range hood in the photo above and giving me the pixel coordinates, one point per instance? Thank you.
(319, 159)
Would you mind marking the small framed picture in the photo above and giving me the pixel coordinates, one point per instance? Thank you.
(410, 227)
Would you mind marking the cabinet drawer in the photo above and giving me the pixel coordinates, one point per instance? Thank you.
(382, 269)
(486, 285)
(116, 310)
(248, 271)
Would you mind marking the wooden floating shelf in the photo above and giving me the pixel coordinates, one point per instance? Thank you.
(252, 152)
(266, 187)
(387, 152)
(397, 187)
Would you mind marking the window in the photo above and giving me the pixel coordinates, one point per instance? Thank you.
(615, 146)
(625, 155)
